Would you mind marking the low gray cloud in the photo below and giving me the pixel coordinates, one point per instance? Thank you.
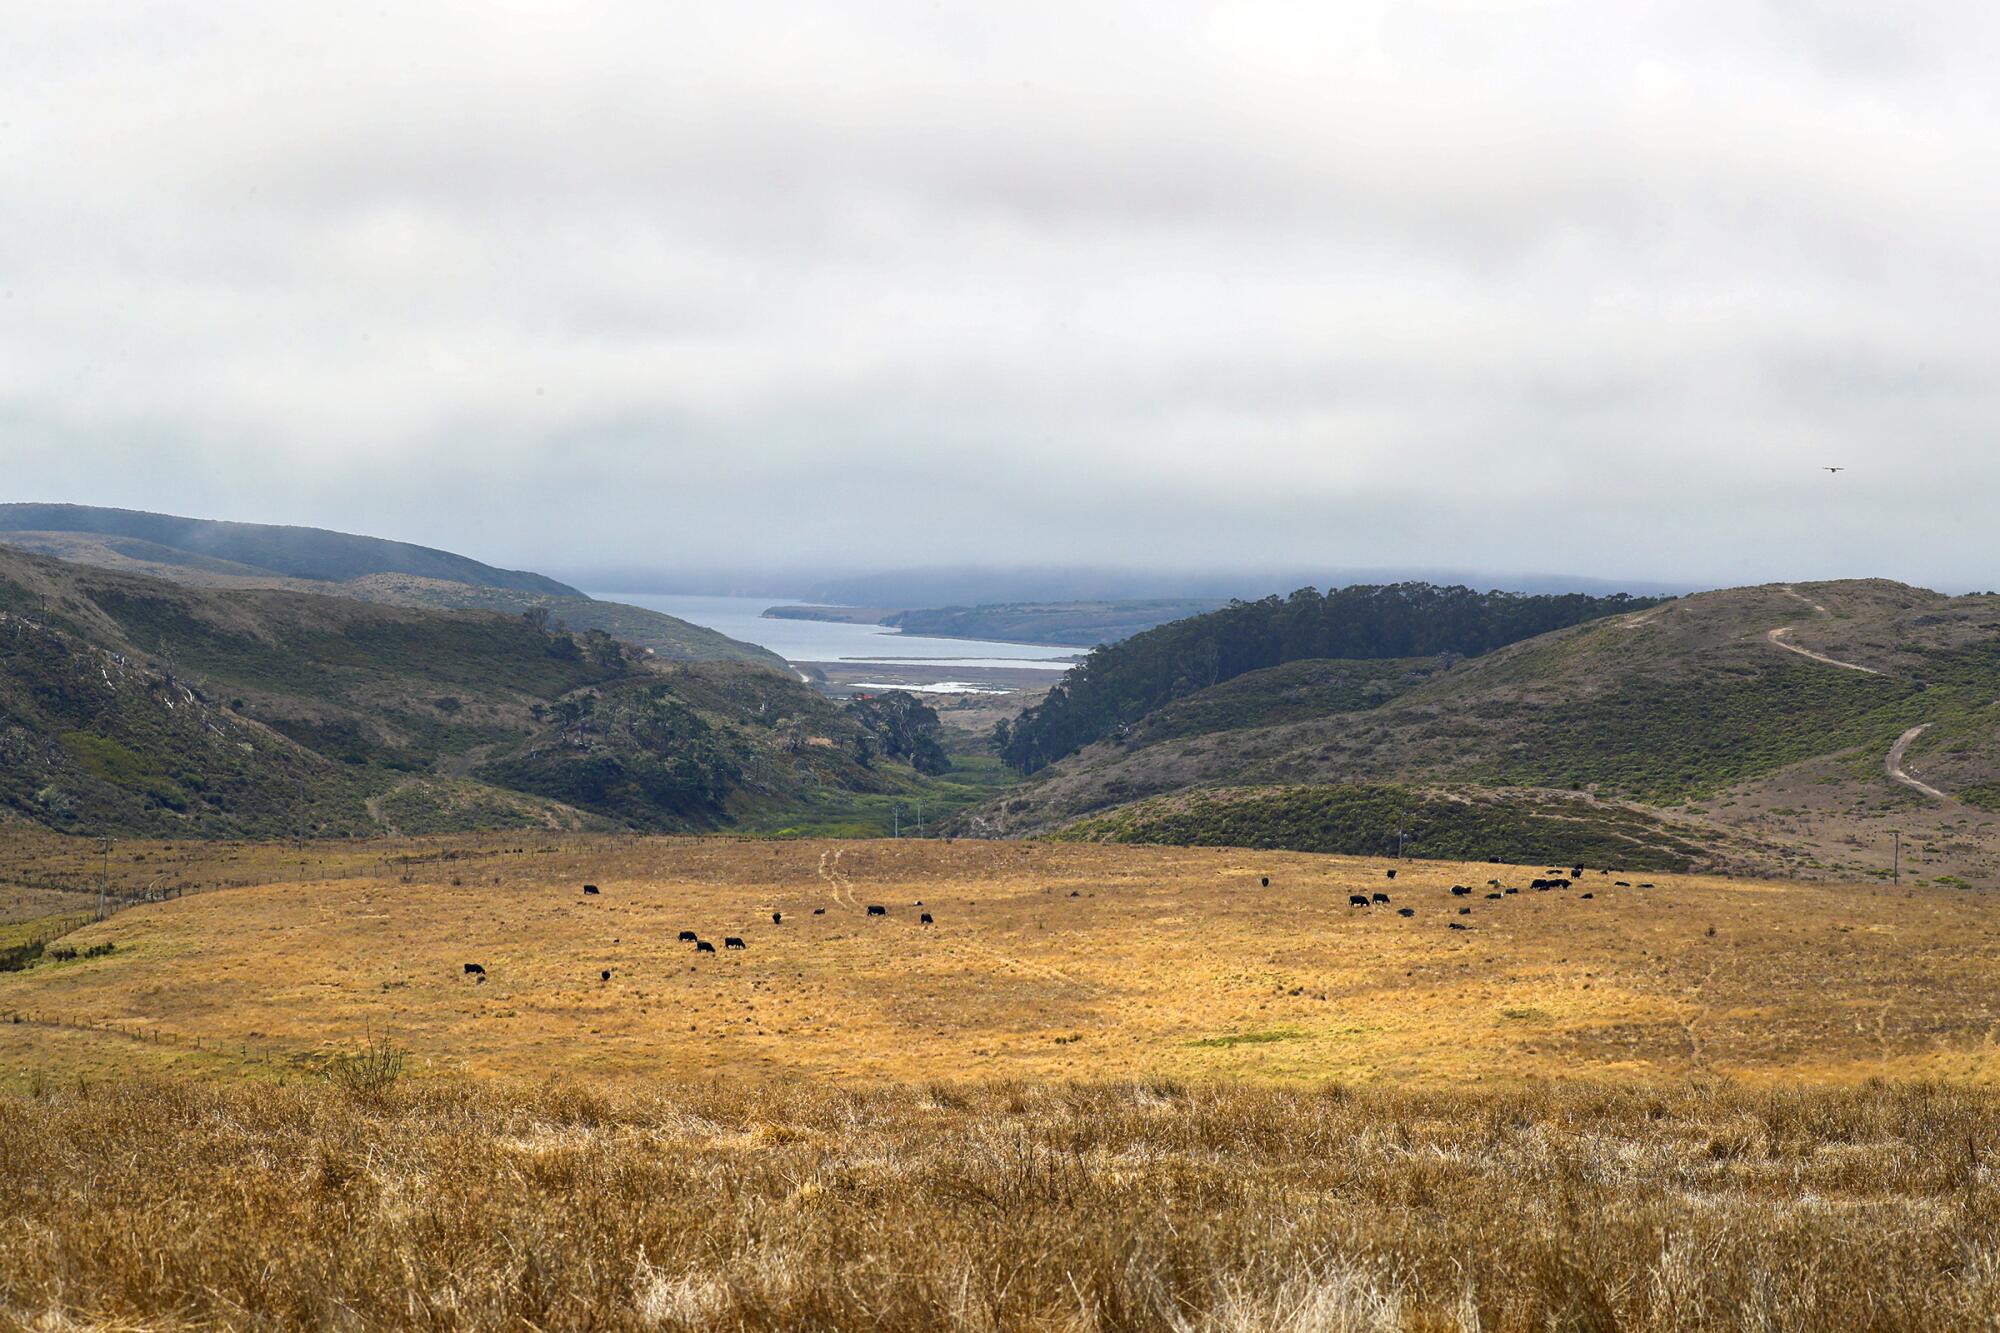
(1595, 287)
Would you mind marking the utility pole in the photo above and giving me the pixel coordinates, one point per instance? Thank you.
(1897, 834)
(1402, 818)
(895, 821)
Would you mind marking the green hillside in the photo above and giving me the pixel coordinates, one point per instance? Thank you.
(1354, 820)
(666, 636)
(1689, 707)
(1120, 683)
(130, 705)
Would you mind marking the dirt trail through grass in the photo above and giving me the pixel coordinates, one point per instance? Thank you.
(1893, 763)
(1776, 638)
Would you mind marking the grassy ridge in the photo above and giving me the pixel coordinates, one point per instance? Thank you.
(312, 553)
(1295, 692)
(1136, 1207)
(1683, 703)
(1361, 820)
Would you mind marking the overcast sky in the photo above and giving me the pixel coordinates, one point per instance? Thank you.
(1587, 287)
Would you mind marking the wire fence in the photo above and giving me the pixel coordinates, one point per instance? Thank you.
(150, 1034)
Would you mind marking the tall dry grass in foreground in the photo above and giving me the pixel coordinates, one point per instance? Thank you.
(1000, 1207)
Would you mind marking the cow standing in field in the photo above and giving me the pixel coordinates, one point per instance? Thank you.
(474, 970)
(689, 937)
(1357, 900)
(1382, 898)
(590, 888)
(703, 946)
(924, 920)
(734, 942)
(1391, 874)
(876, 909)
(777, 918)
(1406, 911)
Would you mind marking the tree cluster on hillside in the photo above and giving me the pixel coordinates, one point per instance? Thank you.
(905, 726)
(1119, 683)
(637, 753)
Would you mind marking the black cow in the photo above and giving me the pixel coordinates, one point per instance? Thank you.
(1645, 886)
(604, 975)
(1492, 897)
(590, 888)
(1264, 882)
(689, 937)
(1465, 911)
(1406, 911)
(924, 920)
(733, 942)
(1459, 890)
(1357, 900)
(1590, 895)
(1458, 925)
(1510, 890)
(474, 970)
(777, 918)
(1492, 883)
(1391, 874)
(819, 911)
(703, 946)
(1558, 883)
(876, 909)
(1381, 897)
(1623, 884)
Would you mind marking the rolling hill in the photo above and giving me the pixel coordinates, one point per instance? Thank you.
(215, 546)
(1757, 722)
(133, 705)
(213, 554)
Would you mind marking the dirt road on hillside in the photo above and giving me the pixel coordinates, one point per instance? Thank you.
(1893, 763)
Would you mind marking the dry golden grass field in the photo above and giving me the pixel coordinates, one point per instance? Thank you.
(1046, 961)
(1110, 1088)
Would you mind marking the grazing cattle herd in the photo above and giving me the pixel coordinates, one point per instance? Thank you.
(1553, 880)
